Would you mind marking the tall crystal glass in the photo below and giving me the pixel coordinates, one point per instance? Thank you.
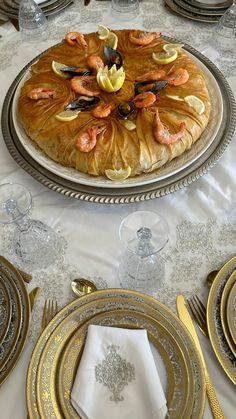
(32, 22)
(224, 36)
(144, 234)
(34, 245)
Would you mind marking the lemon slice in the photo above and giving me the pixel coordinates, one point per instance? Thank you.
(169, 47)
(57, 69)
(196, 103)
(112, 40)
(120, 174)
(103, 32)
(111, 80)
(129, 125)
(165, 57)
(175, 98)
(67, 115)
(105, 83)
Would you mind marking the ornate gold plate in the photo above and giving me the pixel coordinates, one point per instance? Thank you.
(15, 278)
(216, 335)
(9, 343)
(5, 309)
(223, 304)
(178, 385)
(111, 299)
(231, 313)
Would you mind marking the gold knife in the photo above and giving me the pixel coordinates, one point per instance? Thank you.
(186, 319)
(33, 296)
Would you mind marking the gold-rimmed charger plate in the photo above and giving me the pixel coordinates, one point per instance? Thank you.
(219, 343)
(8, 345)
(5, 309)
(210, 4)
(127, 299)
(231, 312)
(178, 386)
(223, 304)
(13, 275)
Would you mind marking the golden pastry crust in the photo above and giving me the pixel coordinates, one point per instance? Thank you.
(116, 147)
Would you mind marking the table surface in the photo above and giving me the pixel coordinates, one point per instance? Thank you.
(201, 216)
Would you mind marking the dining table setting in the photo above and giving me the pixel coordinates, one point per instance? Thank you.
(117, 291)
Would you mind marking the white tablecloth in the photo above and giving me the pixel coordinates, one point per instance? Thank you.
(202, 236)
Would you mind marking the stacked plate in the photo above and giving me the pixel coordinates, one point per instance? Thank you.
(14, 317)
(57, 354)
(221, 317)
(204, 11)
(10, 8)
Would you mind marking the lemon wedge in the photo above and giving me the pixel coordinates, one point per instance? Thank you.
(110, 80)
(67, 115)
(169, 47)
(103, 32)
(129, 125)
(175, 98)
(112, 40)
(196, 103)
(57, 69)
(165, 57)
(120, 174)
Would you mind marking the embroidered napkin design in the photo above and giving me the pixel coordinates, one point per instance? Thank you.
(117, 377)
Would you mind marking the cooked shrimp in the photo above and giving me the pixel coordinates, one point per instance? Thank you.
(41, 93)
(144, 100)
(177, 77)
(73, 38)
(142, 38)
(161, 133)
(95, 62)
(154, 75)
(102, 111)
(84, 85)
(88, 139)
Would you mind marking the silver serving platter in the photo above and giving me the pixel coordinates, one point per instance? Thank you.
(124, 195)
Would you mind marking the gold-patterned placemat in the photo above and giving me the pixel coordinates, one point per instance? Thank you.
(129, 297)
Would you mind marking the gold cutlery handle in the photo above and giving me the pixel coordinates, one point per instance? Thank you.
(214, 403)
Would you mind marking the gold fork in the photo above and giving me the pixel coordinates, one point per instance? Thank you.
(50, 309)
(198, 311)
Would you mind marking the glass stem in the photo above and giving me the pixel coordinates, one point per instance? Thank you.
(22, 222)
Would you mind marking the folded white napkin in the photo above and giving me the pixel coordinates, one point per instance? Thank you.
(117, 377)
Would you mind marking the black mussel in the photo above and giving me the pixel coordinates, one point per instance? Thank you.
(83, 103)
(147, 86)
(75, 71)
(112, 57)
(126, 109)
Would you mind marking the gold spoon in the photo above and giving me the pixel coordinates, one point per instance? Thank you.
(210, 277)
(82, 286)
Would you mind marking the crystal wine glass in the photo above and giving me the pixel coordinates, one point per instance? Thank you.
(144, 234)
(34, 244)
(224, 37)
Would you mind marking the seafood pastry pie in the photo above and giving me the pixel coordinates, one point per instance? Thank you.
(114, 103)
